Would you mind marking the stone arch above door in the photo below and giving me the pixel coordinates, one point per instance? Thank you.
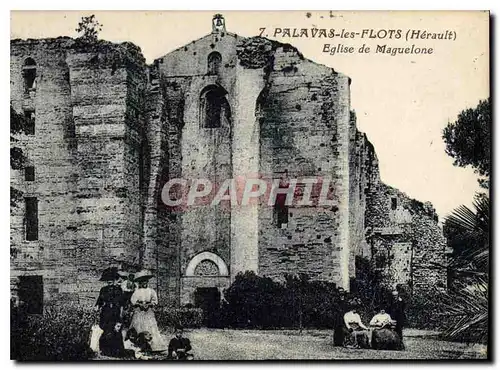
(207, 256)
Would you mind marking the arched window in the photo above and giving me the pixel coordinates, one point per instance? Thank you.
(29, 74)
(207, 264)
(206, 268)
(214, 107)
(214, 62)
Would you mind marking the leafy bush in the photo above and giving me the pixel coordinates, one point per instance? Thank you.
(60, 334)
(253, 301)
(259, 302)
(424, 310)
(172, 317)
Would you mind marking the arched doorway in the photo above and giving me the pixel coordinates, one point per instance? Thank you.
(205, 278)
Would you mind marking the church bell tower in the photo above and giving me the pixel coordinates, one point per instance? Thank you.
(218, 24)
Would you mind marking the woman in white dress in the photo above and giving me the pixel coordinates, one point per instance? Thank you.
(143, 320)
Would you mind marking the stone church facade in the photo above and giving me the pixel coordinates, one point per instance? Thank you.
(105, 132)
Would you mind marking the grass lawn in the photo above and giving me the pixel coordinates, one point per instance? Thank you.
(219, 344)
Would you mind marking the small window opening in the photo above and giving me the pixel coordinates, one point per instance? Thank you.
(29, 173)
(29, 127)
(29, 74)
(394, 203)
(31, 218)
(214, 63)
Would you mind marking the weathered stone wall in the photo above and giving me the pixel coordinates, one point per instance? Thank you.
(51, 152)
(362, 162)
(305, 106)
(407, 242)
(194, 152)
(400, 235)
(429, 250)
(87, 104)
(110, 132)
(284, 74)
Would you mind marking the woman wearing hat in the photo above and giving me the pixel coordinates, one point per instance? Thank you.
(143, 299)
(110, 300)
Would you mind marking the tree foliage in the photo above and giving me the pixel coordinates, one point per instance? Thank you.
(89, 28)
(468, 140)
(253, 301)
(368, 288)
(466, 305)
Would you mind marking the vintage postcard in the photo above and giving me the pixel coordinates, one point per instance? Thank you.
(242, 185)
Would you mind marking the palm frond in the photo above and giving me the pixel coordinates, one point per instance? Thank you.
(466, 311)
(474, 227)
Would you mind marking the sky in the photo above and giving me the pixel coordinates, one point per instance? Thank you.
(402, 102)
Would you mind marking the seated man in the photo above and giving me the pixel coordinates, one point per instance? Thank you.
(179, 347)
(383, 334)
(359, 332)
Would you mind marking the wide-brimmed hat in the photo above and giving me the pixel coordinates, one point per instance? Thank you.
(143, 275)
(111, 273)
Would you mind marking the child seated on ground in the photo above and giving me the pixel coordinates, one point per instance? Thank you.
(179, 347)
(111, 343)
(131, 343)
(143, 344)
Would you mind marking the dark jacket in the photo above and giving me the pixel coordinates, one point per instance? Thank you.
(397, 311)
(110, 301)
(176, 344)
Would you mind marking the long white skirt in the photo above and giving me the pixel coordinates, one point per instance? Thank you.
(145, 321)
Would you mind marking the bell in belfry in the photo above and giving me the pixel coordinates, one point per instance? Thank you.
(218, 24)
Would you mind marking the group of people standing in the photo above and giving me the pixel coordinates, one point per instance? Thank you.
(385, 329)
(128, 327)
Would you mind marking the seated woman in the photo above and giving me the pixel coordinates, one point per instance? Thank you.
(383, 334)
(359, 332)
(380, 320)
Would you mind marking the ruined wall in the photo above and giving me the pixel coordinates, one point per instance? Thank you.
(87, 105)
(407, 242)
(305, 106)
(362, 164)
(429, 259)
(52, 152)
(161, 229)
(399, 235)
